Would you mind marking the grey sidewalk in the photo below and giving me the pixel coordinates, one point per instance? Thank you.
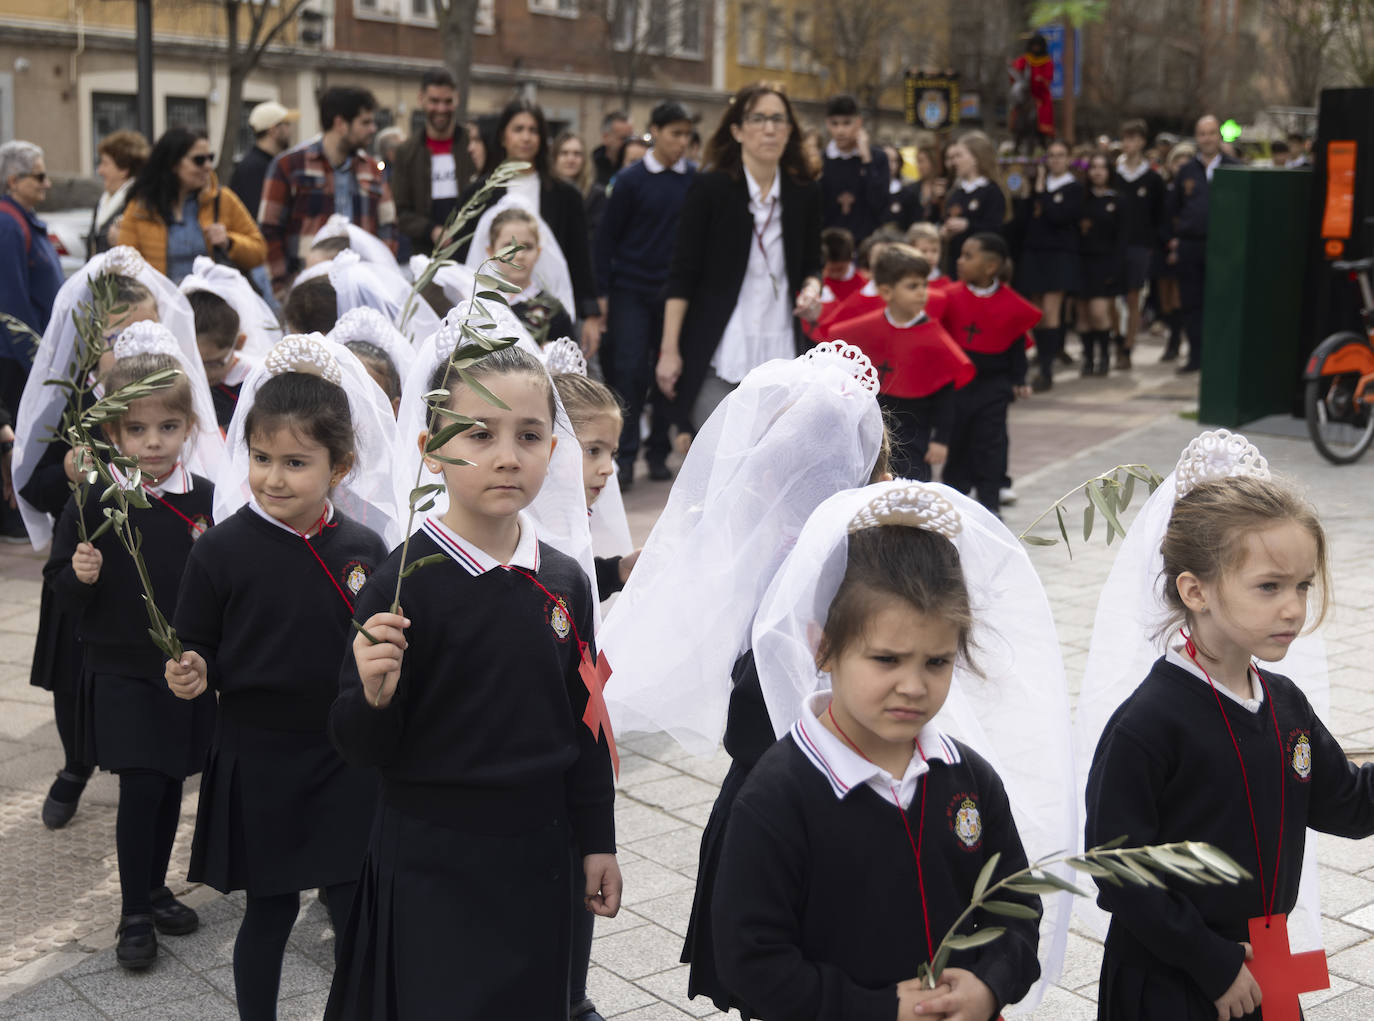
(665, 795)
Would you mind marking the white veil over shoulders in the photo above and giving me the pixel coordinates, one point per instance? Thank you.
(550, 271)
(257, 321)
(793, 432)
(372, 327)
(1014, 711)
(41, 406)
(1125, 642)
(365, 494)
(370, 248)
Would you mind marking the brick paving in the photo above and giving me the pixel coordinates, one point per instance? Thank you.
(59, 897)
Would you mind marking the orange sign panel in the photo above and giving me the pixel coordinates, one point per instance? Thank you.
(1339, 216)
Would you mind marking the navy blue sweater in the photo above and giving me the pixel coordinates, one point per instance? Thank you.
(634, 241)
(855, 194)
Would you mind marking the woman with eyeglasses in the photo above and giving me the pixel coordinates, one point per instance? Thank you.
(177, 210)
(747, 263)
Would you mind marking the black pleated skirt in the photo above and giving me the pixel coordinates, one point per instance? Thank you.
(1131, 991)
(1104, 276)
(56, 651)
(1042, 271)
(125, 722)
(452, 923)
(280, 811)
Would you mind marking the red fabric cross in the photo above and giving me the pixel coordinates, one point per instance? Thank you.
(596, 716)
(1282, 974)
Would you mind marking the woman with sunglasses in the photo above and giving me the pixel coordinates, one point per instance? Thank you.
(177, 210)
(747, 263)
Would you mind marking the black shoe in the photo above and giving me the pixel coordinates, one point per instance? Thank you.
(63, 797)
(137, 946)
(584, 1011)
(1040, 383)
(1064, 357)
(1170, 351)
(659, 472)
(172, 917)
(1086, 369)
(1123, 359)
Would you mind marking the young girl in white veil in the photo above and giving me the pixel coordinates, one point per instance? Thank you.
(551, 268)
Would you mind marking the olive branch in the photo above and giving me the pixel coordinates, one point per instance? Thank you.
(1109, 494)
(1188, 860)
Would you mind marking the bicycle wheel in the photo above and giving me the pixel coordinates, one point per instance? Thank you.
(1340, 429)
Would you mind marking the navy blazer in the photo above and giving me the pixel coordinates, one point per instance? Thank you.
(711, 257)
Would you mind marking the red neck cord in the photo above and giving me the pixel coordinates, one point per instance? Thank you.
(581, 648)
(164, 503)
(318, 527)
(917, 841)
(1268, 907)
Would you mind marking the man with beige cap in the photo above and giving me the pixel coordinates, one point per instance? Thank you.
(271, 123)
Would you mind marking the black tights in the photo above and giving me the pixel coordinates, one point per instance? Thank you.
(261, 943)
(64, 709)
(145, 826)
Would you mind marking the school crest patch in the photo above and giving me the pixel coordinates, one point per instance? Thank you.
(965, 821)
(559, 618)
(1188, 185)
(355, 575)
(198, 525)
(1142, 191)
(973, 206)
(1300, 754)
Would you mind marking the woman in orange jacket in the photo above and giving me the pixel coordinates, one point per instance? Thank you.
(177, 211)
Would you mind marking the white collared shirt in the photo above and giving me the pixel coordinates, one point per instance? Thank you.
(869, 290)
(760, 327)
(653, 166)
(1177, 655)
(1058, 181)
(257, 507)
(845, 769)
(477, 561)
(974, 185)
(177, 482)
(834, 152)
(984, 292)
(531, 292)
(1129, 174)
(920, 318)
(1211, 164)
(849, 273)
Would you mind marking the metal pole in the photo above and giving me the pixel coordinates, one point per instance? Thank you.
(144, 46)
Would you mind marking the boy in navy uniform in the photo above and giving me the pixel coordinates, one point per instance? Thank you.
(854, 179)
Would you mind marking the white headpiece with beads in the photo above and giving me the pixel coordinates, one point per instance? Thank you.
(791, 434)
(1126, 637)
(145, 338)
(564, 356)
(257, 322)
(40, 410)
(371, 327)
(365, 494)
(1014, 710)
(851, 359)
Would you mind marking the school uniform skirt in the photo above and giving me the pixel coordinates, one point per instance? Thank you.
(125, 722)
(459, 917)
(1103, 276)
(1043, 270)
(56, 649)
(279, 812)
(1131, 991)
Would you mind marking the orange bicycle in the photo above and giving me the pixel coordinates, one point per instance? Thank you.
(1339, 397)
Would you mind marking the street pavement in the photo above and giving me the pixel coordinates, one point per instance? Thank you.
(59, 895)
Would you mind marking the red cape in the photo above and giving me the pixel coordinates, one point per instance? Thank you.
(987, 325)
(842, 289)
(912, 361)
(859, 305)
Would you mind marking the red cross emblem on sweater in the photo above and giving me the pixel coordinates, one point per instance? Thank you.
(596, 717)
(1282, 974)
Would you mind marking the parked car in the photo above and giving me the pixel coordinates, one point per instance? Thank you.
(67, 229)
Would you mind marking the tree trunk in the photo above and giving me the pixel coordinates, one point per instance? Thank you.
(457, 21)
(233, 121)
(1069, 128)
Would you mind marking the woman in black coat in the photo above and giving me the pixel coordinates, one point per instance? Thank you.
(522, 134)
(747, 262)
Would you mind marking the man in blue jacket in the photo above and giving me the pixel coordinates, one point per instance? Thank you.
(634, 245)
(30, 275)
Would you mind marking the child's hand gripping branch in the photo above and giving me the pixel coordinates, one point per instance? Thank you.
(379, 663)
(912, 995)
(186, 677)
(964, 998)
(1243, 998)
(86, 561)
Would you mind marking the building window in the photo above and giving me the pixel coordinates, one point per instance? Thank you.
(689, 28)
(774, 45)
(563, 8)
(111, 112)
(486, 16)
(656, 31)
(801, 42)
(746, 31)
(186, 112)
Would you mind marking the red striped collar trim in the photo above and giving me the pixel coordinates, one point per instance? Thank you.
(477, 561)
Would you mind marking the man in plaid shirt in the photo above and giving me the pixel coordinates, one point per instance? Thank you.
(306, 185)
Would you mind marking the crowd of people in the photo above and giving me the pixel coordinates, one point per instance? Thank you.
(806, 324)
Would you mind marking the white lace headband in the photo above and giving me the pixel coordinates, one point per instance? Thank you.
(1219, 454)
(849, 358)
(340, 264)
(145, 338)
(304, 352)
(915, 505)
(335, 227)
(564, 357)
(365, 324)
(123, 260)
